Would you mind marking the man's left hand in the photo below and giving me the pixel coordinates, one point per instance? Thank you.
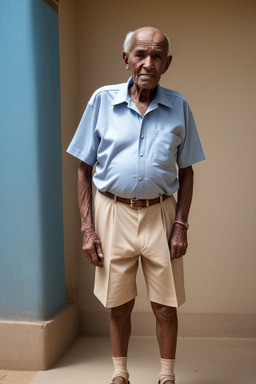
(178, 241)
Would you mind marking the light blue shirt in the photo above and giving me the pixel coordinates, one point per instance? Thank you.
(136, 155)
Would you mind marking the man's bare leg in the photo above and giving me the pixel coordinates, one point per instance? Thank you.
(166, 331)
(120, 331)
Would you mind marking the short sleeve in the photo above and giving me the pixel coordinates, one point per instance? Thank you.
(190, 151)
(85, 142)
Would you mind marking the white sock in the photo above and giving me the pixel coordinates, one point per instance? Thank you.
(167, 370)
(120, 368)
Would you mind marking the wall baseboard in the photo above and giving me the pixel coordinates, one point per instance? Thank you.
(190, 324)
(37, 345)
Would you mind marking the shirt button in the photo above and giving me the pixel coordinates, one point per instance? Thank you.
(142, 137)
(140, 178)
(141, 155)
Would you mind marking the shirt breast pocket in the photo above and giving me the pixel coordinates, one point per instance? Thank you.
(165, 149)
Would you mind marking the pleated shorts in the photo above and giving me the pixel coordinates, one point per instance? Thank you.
(128, 235)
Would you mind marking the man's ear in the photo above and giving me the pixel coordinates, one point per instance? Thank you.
(125, 59)
(168, 63)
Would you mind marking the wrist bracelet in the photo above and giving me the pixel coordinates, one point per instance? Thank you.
(186, 225)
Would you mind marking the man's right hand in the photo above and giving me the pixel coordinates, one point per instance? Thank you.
(92, 247)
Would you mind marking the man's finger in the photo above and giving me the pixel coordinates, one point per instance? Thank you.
(95, 258)
(173, 252)
(88, 255)
(99, 251)
(178, 251)
(92, 258)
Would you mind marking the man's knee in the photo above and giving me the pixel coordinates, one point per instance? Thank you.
(164, 313)
(123, 311)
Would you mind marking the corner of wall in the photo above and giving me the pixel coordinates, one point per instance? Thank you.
(37, 345)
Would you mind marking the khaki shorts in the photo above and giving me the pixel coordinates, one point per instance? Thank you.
(128, 235)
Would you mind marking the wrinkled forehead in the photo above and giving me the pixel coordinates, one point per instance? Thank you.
(149, 38)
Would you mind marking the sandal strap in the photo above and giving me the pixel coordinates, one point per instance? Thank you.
(128, 382)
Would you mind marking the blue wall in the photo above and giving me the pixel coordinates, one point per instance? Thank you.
(32, 283)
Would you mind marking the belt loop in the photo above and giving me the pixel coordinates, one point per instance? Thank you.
(147, 203)
(161, 199)
(115, 198)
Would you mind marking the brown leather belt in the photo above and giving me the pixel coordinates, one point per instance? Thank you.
(133, 203)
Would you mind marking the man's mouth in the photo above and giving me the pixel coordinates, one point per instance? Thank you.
(147, 75)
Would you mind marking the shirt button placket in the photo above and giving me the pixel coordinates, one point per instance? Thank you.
(141, 159)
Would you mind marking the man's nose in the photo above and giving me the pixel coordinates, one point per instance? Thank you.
(148, 62)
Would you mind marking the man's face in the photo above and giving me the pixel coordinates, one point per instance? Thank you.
(147, 59)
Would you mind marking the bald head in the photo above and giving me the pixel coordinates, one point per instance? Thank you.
(149, 32)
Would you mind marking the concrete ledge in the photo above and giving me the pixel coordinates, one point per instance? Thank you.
(37, 345)
(190, 324)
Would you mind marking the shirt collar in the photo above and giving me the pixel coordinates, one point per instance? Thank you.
(123, 96)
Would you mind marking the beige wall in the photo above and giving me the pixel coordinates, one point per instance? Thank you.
(214, 63)
(69, 119)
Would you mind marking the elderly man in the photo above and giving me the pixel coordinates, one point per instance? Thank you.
(136, 133)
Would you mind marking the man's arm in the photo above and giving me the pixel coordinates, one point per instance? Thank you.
(178, 240)
(91, 241)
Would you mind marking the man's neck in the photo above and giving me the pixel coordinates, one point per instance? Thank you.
(141, 97)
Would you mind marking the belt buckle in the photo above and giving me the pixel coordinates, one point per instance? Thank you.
(132, 204)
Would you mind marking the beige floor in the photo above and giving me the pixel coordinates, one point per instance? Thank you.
(199, 361)
(15, 377)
